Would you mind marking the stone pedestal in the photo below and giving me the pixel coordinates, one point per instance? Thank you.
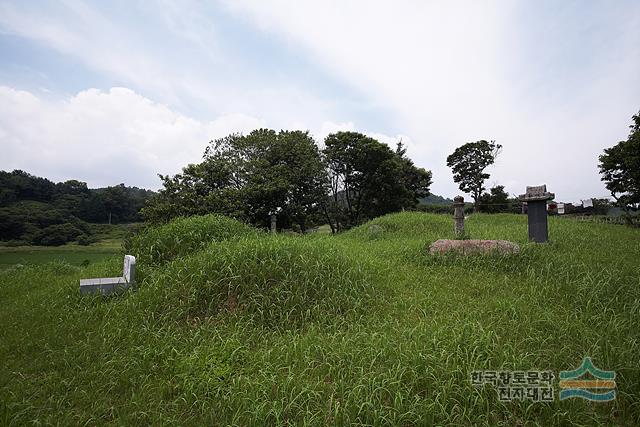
(458, 216)
(536, 200)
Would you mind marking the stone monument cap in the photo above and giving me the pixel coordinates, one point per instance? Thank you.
(535, 193)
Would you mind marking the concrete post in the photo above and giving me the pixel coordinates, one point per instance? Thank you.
(536, 198)
(458, 216)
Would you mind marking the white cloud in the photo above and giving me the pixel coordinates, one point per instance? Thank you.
(108, 137)
(101, 136)
(330, 127)
(554, 83)
(553, 86)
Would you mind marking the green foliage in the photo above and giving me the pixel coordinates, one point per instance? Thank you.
(251, 176)
(30, 205)
(497, 200)
(73, 197)
(157, 245)
(85, 240)
(367, 179)
(468, 163)
(434, 199)
(20, 185)
(56, 235)
(116, 204)
(248, 177)
(620, 169)
(39, 224)
(371, 331)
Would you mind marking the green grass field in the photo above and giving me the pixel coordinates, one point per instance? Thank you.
(233, 326)
(109, 242)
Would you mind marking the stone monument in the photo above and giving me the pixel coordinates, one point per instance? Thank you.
(274, 219)
(273, 223)
(536, 200)
(458, 216)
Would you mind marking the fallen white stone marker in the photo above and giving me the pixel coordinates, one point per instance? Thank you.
(109, 285)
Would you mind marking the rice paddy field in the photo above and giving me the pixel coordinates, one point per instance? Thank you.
(108, 243)
(232, 326)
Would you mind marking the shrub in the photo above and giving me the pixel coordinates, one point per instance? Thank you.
(56, 235)
(86, 240)
(157, 245)
(14, 243)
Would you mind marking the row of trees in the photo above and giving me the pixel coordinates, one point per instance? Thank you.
(35, 210)
(117, 204)
(351, 179)
(619, 168)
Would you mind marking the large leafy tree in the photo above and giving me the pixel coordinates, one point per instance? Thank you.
(468, 163)
(368, 179)
(620, 169)
(248, 177)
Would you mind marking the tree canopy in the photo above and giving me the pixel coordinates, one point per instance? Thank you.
(369, 179)
(620, 168)
(248, 177)
(354, 178)
(468, 163)
(35, 210)
(496, 200)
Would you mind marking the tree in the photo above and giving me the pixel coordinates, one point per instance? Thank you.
(368, 179)
(497, 200)
(468, 163)
(301, 168)
(620, 169)
(200, 189)
(248, 177)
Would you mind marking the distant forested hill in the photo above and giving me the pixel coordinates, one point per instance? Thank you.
(35, 210)
(433, 199)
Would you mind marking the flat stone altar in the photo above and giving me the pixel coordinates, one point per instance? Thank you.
(469, 247)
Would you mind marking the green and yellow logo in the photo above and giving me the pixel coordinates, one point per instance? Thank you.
(600, 388)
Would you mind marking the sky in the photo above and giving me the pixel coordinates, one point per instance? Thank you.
(113, 92)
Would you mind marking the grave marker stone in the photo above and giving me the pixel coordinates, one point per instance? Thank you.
(458, 216)
(536, 200)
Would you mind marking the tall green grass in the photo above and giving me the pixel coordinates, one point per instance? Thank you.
(183, 236)
(275, 281)
(232, 326)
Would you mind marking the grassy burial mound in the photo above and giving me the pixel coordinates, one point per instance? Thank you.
(183, 237)
(234, 326)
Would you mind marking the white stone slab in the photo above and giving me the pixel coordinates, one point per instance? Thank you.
(109, 285)
(129, 269)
